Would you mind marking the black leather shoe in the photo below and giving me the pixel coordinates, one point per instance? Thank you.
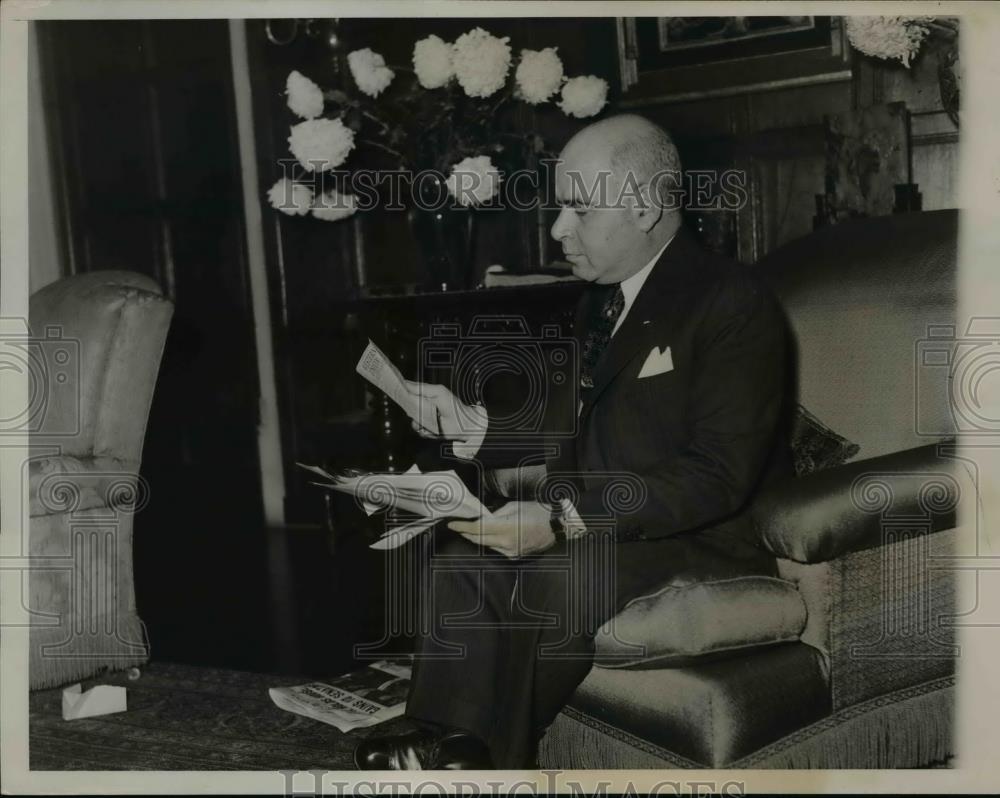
(410, 751)
(423, 750)
(459, 750)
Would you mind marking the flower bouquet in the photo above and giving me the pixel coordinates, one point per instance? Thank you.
(432, 138)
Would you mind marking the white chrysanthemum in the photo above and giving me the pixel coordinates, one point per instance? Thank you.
(432, 62)
(474, 181)
(481, 62)
(584, 96)
(333, 206)
(539, 75)
(369, 71)
(321, 144)
(290, 197)
(888, 37)
(305, 98)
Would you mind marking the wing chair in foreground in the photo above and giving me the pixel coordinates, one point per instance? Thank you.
(100, 338)
(842, 654)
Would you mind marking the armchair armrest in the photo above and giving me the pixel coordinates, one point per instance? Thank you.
(825, 515)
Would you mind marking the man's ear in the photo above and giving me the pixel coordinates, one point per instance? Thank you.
(647, 212)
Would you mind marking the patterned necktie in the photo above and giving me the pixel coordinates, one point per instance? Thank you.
(598, 339)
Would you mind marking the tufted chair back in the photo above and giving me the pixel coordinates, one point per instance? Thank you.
(98, 341)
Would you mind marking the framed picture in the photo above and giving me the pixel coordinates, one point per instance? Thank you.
(710, 35)
(670, 59)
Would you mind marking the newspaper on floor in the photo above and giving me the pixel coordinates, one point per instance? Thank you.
(353, 701)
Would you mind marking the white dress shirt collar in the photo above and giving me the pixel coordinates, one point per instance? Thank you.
(632, 285)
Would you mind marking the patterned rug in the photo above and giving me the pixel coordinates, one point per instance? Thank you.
(182, 717)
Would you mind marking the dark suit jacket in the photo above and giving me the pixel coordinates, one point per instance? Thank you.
(685, 449)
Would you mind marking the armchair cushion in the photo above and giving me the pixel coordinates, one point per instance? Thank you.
(830, 513)
(709, 713)
(682, 623)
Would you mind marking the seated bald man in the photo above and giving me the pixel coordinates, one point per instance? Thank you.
(680, 390)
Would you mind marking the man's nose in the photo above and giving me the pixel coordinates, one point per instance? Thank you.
(561, 226)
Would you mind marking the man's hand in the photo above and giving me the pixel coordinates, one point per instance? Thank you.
(515, 530)
(443, 416)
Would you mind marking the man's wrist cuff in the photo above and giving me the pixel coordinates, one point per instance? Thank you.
(572, 524)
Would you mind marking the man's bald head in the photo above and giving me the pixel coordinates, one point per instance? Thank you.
(632, 148)
(614, 181)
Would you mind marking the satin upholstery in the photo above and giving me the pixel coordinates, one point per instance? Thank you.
(861, 298)
(713, 712)
(682, 623)
(830, 513)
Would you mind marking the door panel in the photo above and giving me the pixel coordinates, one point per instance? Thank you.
(144, 132)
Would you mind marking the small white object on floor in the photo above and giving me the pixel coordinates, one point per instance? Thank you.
(101, 700)
(133, 674)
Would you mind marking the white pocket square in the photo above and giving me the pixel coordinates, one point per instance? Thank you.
(657, 362)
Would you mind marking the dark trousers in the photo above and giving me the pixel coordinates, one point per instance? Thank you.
(504, 643)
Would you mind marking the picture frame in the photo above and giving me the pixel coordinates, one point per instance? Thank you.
(707, 36)
(675, 59)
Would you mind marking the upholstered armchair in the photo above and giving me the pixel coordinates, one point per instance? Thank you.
(99, 338)
(841, 653)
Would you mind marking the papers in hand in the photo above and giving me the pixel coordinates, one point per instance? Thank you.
(431, 496)
(399, 535)
(437, 494)
(375, 367)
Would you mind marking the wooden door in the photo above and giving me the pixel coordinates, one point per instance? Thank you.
(144, 143)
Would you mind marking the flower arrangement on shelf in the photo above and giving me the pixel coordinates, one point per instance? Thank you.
(441, 118)
(901, 38)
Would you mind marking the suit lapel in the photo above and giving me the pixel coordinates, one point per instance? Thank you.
(591, 302)
(676, 267)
